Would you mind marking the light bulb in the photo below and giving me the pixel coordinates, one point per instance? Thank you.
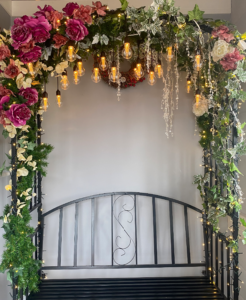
(75, 75)
(96, 76)
(58, 97)
(81, 69)
(198, 63)
(158, 69)
(114, 76)
(151, 80)
(127, 50)
(169, 53)
(103, 63)
(198, 96)
(45, 101)
(138, 70)
(71, 56)
(64, 81)
(188, 84)
(30, 68)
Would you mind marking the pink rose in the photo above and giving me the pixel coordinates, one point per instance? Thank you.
(3, 117)
(31, 56)
(5, 92)
(31, 95)
(76, 30)
(3, 100)
(222, 32)
(230, 59)
(44, 12)
(12, 70)
(40, 35)
(55, 18)
(60, 40)
(69, 9)
(27, 47)
(40, 21)
(21, 32)
(83, 13)
(18, 114)
(99, 8)
(4, 52)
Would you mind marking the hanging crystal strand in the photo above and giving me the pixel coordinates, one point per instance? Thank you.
(171, 93)
(148, 58)
(165, 102)
(118, 73)
(109, 65)
(195, 126)
(176, 71)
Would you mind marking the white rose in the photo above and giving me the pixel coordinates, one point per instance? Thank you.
(242, 45)
(201, 108)
(221, 48)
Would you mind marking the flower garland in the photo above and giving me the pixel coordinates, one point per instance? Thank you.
(51, 41)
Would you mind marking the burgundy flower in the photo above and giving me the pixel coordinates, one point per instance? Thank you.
(55, 18)
(69, 9)
(5, 92)
(76, 30)
(40, 35)
(60, 40)
(31, 56)
(21, 31)
(27, 47)
(18, 114)
(12, 70)
(31, 95)
(3, 117)
(229, 61)
(3, 100)
(40, 21)
(44, 12)
(83, 13)
(4, 52)
(223, 33)
(99, 8)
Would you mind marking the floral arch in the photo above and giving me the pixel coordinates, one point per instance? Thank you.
(212, 53)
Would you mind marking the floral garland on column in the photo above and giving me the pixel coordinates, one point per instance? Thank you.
(49, 42)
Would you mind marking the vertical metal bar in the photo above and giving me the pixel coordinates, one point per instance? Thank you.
(205, 233)
(136, 229)
(93, 232)
(21, 294)
(205, 225)
(76, 234)
(187, 234)
(222, 266)
(154, 231)
(211, 253)
(35, 188)
(228, 273)
(60, 237)
(112, 230)
(26, 293)
(36, 244)
(171, 231)
(217, 260)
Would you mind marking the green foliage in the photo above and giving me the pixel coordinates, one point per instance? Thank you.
(196, 14)
(124, 4)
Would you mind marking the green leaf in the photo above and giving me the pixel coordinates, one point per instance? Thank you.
(124, 4)
(9, 277)
(243, 222)
(225, 161)
(233, 168)
(5, 133)
(195, 14)
(31, 146)
(2, 169)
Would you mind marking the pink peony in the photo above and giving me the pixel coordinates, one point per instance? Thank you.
(4, 52)
(40, 35)
(222, 32)
(60, 40)
(3, 117)
(5, 92)
(31, 95)
(230, 59)
(55, 18)
(21, 31)
(99, 8)
(12, 70)
(31, 56)
(69, 9)
(83, 13)
(40, 21)
(76, 30)
(44, 12)
(18, 114)
(27, 47)
(3, 100)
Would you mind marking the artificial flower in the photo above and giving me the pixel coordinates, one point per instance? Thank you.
(200, 108)
(230, 60)
(4, 91)
(83, 13)
(20, 65)
(76, 30)
(3, 118)
(33, 165)
(31, 56)
(223, 33)
(3, 100)
(221, 48)
(69, 9)
(55, 18)
(45, 12)
(12, 70)
(242, 45)
(21, 31)
(21, 82)
(61, 67)
(59, 40)
(40, 34)
(27, 47)
(18, 114)
(30, 94)
(11, 129)
(22, 172)
(4, 52)
(99, 8)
